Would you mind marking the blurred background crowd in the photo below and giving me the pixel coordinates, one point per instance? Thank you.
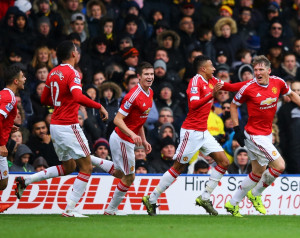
(113, 36)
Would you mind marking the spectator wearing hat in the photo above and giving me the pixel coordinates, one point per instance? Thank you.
(44, 35)
(40, 164)
(225, 11)
(45, 8)
(21, 160)
(95, 10)
(227, 39)
(141, 167)
(277, 31)
(102, 150)
(170, 40)
(162, 75)
(78, 25)
(165, 116)
(161, 163)
(131, 30)
(140, 153)
(221, 57)
(66, 8)
(275, 53)
(99, 54)
(241, 163)
(245, 72)
(130, 57)
(223, 72)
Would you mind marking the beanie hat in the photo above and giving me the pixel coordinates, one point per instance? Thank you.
(23, 5)
(227, 9)
(141, 163)
(129, 52)
(42, 20)
(99, 142)
(77, 16)
(166, 141)
(160, 63)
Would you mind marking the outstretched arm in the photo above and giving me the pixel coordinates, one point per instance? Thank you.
(295, 98)
(233, 87)
(84, 100)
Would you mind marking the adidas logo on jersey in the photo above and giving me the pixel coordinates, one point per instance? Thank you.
(258, 95)
(144, 104)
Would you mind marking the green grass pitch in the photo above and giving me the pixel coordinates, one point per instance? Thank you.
(55, 226)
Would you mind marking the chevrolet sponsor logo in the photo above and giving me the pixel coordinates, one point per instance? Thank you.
(268, 101)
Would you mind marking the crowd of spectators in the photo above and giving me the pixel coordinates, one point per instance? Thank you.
(113, 36)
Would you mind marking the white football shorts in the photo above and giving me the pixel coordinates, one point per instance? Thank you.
(122, 153)
(3, 168)
(191, 141)
(261, 148)
(69, 142)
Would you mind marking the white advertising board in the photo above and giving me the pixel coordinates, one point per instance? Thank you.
(49, 197)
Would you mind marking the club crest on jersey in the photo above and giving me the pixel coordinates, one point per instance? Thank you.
(194, 90)
(9, 107)
(274, 90)
(132, 168)
(210, 86)
(268, 101)
(5, 173)
(185, 159)
(127, 105)
(77, 80)
(274, 153)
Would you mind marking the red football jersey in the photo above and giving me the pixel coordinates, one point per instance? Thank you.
(8, 108)
(61, 81)
(261, 102)
(198, 89)
(136, 106)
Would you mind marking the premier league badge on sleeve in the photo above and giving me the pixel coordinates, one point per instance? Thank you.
(127, 105)
(77, 80)
(194, 90)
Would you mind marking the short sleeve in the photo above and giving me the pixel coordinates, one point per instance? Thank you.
(74, 81)
(6, 105)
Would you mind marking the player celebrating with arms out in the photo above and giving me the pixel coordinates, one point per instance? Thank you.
(63, 90)
(15, 81)
(261, 95)
(129, 132)
(194, 136)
